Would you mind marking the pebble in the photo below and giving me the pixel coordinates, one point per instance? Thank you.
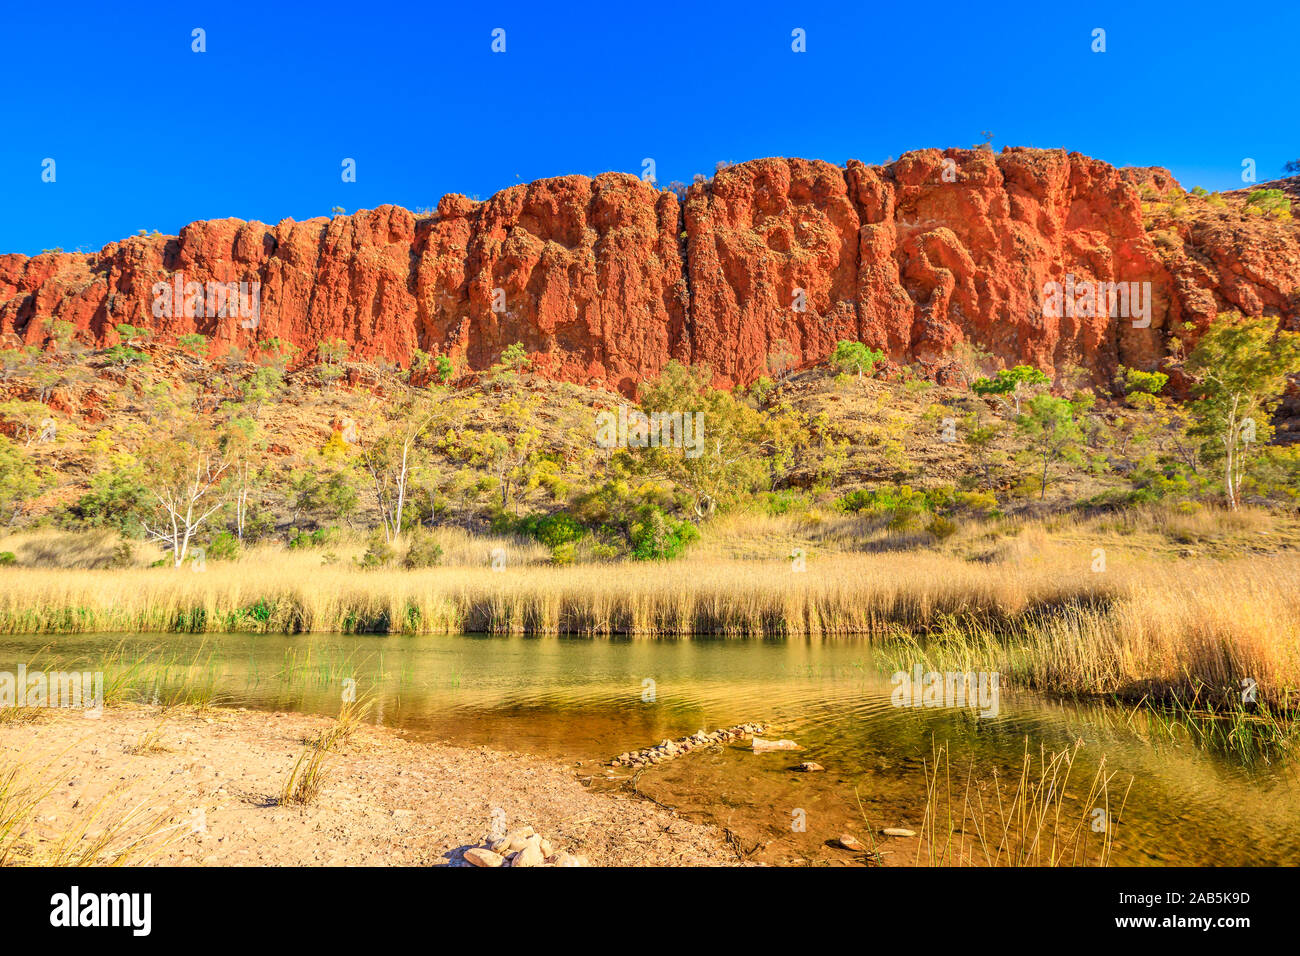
(898, 832)
(849, 842)
(809, 767)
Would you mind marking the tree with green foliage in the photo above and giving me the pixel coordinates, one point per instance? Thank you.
(277, 353)
(117, 497)
(855, 357)
(1052, 432)
(262, 385)
(194, 343)
(1019, 382)
(1137, 382)
(332, 496)
(514, 359)
(20, 482)
(508, 454)
(420, 361)
(28, 419)
(188, 475)
(11, 360)
(124, 356)
(130, 333)
(732, 454)
(388, 450)
(1239, 368)
(331, 353)
(980, 437)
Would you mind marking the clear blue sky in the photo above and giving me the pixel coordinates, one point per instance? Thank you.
(149, 135)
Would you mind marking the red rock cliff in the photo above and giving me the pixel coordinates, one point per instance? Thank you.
(604, 280)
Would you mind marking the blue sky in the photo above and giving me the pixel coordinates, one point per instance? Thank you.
(147, 134)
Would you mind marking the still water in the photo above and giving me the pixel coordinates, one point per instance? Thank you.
(580, 700)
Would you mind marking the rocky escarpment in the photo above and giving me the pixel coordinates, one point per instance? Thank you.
(606, 279)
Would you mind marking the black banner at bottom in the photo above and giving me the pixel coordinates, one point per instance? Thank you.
(338, 906)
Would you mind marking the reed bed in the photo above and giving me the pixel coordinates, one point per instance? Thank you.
(843, 594)
(1218, 633)
(1037, 613)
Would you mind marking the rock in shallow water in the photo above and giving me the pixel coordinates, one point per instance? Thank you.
(849, 842)
(765, 746)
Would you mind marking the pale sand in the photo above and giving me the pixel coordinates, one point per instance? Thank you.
(386, 800)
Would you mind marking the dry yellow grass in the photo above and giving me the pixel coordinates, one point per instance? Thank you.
(1035, 605)
(286, 591)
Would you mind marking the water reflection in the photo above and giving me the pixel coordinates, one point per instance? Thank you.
(588, 700)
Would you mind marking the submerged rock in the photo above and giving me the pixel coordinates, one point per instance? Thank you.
(849, 842)
(765, 746)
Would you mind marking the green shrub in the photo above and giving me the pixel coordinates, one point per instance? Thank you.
(551, 530)
(117, 498)
(976, 501)
(941, 527)
(224, 546)
(855, 358)
(783, 502)
(313, 539)
(124, 355)
(379, 553)
(1137, 381)
(1269, 202)
(422, 551)
(8, 557)
(660, 537)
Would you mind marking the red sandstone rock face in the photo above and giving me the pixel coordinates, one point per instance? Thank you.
(604, 280)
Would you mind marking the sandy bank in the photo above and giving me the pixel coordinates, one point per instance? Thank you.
(210, 782)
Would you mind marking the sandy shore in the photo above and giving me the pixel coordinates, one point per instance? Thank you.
(211, 795)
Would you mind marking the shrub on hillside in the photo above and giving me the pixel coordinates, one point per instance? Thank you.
(313, 539)
(422, 551)
(224, 546)
(660, 537)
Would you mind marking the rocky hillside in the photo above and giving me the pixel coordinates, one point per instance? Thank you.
(604, 280)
